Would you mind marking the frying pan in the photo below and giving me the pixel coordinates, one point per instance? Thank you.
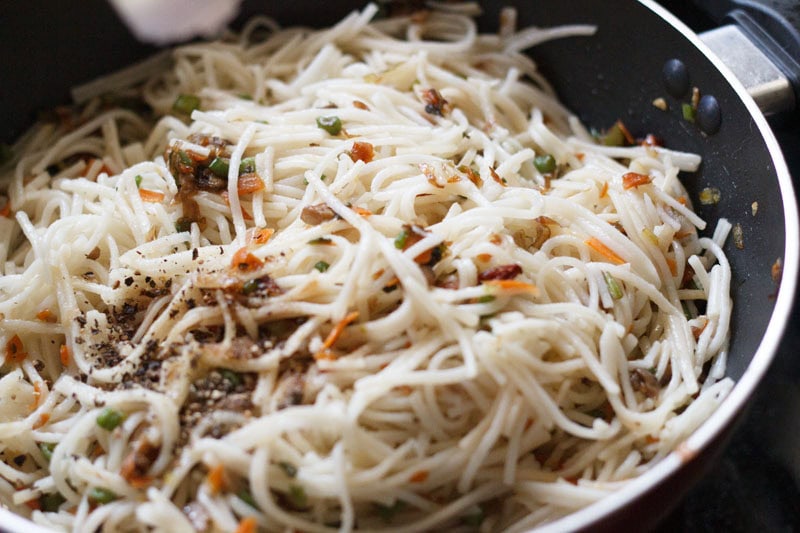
(615, 74)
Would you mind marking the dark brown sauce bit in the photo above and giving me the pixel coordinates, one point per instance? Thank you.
(645, 382)
(500, 272)
(435, 104)
(317, 214)
(192, 173)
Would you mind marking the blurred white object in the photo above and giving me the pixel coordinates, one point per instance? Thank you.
(164, 21)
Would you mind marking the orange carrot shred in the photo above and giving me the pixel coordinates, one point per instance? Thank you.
(681, 200)
(216, 479)
(261, 235)
(45, 315)
(43, 419)
(484, 257)
(420, 476)
(595, 244)
(604, 190)
(15, 351)
(153, 197)
(34, 504)
(249, 183)
(64, 354)
(512, 285)
(650, 439)
(673, 266)
(244, 261)
(247, 525)
(37, 395)
(335, 333)
(361, 211)
(6, 210)
(634, 179)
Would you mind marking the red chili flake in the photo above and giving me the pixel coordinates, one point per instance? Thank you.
(500, 272)
(362, 152)
(634, 179)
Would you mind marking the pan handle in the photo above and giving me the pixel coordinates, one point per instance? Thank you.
(760, 43)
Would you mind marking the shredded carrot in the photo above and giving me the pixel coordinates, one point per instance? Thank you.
(604, 190)
(226, 199)
(673, 266)
(362, 152)
(634, 179)
(512, 285)
(496, 178)
(405, 389)
(260, 235)
(247, 525)
(245, 261)
(650, 439)
(153, 197)
(595, 244)
(699, 331)
(484, 257)
(625, 132)
(335, 333)
(6, 210)
(571, 479)
(37, 394)
(34, 504)
(64, 354)
(43, 419)
(681, 200)
(249, 183)
(45, 315)
(216, 479)
(361, 211)
(378, 274)
(420, 476)
(15, 351)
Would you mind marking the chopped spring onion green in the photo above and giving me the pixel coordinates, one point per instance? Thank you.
(219, 166)
(250, 286)
(689, 112)
(247, 498)
(186, 103)
(138, 180)
(485, 299)
(544, 163)
(614, 136)
(613, 286)
(184, 157)
(297, 496)
(51, 502)
(288, 468)
(231, 377)
(387, 512)
(322, 266)
(47, 449)
(183, 224)
(109, 418)
(247, 166)
(101, 496)
(332, 124)
(474, 517)
(400, 240)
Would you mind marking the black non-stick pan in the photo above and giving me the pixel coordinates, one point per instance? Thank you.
(615, 74)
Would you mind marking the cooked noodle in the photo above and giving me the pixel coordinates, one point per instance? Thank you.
(411, 323)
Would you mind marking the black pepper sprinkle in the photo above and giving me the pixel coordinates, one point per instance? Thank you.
(19, 460)
(195, 254)
(128, 281)
(676, 77)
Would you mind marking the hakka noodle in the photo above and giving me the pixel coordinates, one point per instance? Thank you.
(371, 277)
